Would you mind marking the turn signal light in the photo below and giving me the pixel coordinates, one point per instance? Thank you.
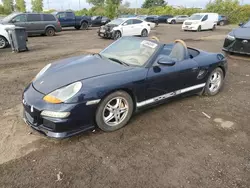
(51, 99)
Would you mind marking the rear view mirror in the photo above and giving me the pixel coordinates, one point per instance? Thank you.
(125, 24)
(166, 61)
(13, 21)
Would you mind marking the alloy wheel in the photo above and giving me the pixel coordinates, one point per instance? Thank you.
(115, 111)
(215, 82)
(2, 42)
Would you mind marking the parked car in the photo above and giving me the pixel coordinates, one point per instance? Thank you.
(201, 21)
(99, 20)
(238, 40)
(164, 18)
(151, 23)
(124, 27)
(177, 19)
(104, 90)
(152, 18)
(34, 23)
(223, 20)
(127, 16)
(4, 37)
(68, 19)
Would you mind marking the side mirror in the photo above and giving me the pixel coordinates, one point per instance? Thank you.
(125, 24)
(241, 24)
(13, 21)
(166, 62)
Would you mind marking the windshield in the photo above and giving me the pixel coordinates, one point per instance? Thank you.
(196, 17)
(116, 22)
(132, 51)
(9, 17)
(247, 24)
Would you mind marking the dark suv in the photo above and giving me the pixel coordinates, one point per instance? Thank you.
(35, 23)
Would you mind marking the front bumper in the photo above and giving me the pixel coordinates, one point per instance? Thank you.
(105, 33)
(190, 27)
(80, 120)
(239, 46)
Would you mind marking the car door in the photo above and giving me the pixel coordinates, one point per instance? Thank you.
(20, 20)
(61, 16)
(128, 28)
(70, 19)
(96, 21)
(205, 23)
(138, 26)
(34, 23)
(168, 81)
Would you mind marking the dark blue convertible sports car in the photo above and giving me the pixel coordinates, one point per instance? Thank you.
(104, 90)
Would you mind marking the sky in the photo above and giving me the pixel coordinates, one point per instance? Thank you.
(74, 4)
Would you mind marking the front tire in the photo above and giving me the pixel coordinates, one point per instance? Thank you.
(114, 111)
(214, 82)
(199, 29)
(222, 23)
(3, 42)
(117, 35)
(173, 22)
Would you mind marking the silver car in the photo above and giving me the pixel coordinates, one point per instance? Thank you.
(34, 23)
(178, 19)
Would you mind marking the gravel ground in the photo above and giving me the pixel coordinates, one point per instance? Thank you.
(191, 142)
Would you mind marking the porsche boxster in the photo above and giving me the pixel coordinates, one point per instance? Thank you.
(105, 89)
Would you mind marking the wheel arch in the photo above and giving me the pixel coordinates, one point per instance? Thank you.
(127, 90)
(50, 26)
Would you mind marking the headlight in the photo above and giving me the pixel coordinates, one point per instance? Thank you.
(63, 94)
(42, 71)
(230, 37)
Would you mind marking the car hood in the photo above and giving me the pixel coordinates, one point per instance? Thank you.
(241, 33)
(74, 69)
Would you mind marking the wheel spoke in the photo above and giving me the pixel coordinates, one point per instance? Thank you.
(117, 118)
(110, 117)
(109, 108)
(124, 109)
(118, 103)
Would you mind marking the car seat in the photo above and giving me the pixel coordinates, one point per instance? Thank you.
(179, 51)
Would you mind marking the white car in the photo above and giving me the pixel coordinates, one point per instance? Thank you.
(4, 37)
(177, 19)
(125, 27)
(201, 21)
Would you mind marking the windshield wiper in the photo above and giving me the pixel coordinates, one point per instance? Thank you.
(118, 61)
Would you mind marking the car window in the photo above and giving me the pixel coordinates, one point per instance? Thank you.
(135, 21)
(34, 17)
(183, 16)
(70, 15)
(129, 22)
(205, 18)
(61, 15)
(48, 17)
(20, 18)
(134, 51)
(247, 24)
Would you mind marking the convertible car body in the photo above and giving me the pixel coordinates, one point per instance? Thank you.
(104, 90)
(238, 40)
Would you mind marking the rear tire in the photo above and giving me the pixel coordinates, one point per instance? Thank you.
(84, 26)
(3, 42)
(144, 33)
(214, 27)
(222, 23)
(214, 82)
(50, 32)
(111, 114)
(173, 22)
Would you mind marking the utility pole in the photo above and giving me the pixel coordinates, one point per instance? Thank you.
(48, 4)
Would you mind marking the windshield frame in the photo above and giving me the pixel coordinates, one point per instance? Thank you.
(246, 25)
(201, 17)
(149, 61)
(8, 18)
(110, 23)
